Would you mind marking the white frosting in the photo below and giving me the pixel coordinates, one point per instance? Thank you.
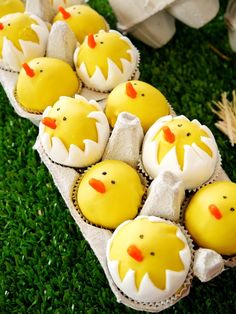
(76, 157)
(115, 75)
(147, 291)
(13, 57)
(198, 165)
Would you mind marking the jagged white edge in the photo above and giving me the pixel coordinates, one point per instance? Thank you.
(115, 75)
(198, 165)
(76, 157)
(13, 58)
(148, 292)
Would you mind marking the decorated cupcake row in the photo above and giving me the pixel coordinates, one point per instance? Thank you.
(149, 258)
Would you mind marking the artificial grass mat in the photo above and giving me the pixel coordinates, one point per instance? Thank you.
(46, 265)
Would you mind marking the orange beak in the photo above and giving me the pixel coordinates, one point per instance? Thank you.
(64, 13)
(135, 253)
(1, 26)
(168, 135)
(214, 210)
(49, 122)
(30, 72)
(97, 185)
(130, 90)
(91, 41)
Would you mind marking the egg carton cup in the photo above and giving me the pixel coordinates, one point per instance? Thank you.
(230, 20)
(153, 22)
(66, 180)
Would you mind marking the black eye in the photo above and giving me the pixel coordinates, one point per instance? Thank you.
(152, 253)
(142, 94)
(224, 196)
(58, 109)
(113, 182)
(101, 42)
(96, 36)
(141, 236)
(41, 71)
(8, 24)
(179, 125)
(37, 62)
(232, 209)
(188, 134)
(135, 83)
(64, 118)
(104, 173)
(78, 12)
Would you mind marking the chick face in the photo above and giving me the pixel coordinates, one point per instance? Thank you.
(11, 6)
(148, 258)
(74, 132)
(185, 147)
(105, 59)
(77, 17)
(22, 37)
(110, 193)
(138, 98)
(42, 81)
(211, 217)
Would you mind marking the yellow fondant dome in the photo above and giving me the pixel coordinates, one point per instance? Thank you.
(11, 6)
(148, 258)
(74, 132)
(110, 193)
(82, 20)
(43, 80)
(138, 98)
(211, 217)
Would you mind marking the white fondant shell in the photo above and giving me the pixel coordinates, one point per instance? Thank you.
(147, 291)
(198, 165)
(13, 58)
(76, 157)
(115, 76)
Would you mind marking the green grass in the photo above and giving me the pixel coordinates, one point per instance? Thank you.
(46, 265)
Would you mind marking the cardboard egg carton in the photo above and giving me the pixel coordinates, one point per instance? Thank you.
(153, 22)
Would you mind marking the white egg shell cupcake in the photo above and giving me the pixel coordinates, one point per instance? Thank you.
(187, 148)
(148, 258)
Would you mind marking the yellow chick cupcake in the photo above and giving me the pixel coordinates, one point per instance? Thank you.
(105, 60)
(139, 98)
(148, 258)
(22, 37)
(82, 20)
(184, 147)
(211, 217)
(42, 81)
(74, 132)
(110, 193)
(11, 6)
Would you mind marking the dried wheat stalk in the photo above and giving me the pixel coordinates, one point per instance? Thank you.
(227, 113)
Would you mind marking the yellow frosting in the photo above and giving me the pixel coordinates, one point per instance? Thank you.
(11, 6)
(53, 78)
(158, 244)
(149, 104)
(18, 27)
(108, 45)
(83, 21)
(208, 231)
(73, 125)
(122, 196)
(186, 133)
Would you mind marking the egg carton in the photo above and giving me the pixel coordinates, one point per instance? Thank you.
(153, 22)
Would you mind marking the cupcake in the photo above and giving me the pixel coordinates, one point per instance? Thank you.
(82, 20)
(105, 60)
(11, 6)
(187, 148)
(109, 193)
(22, 37)
(139, 98)
(42, 81)
(74, 131)
(210, 217)
(148, 259)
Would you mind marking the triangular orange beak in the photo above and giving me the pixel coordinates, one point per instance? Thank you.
(49, 122)
(214, 210)
(91, 41)
(135, 253)
(64, 13)
(168, 135)
(97, 185)
(30, 72)
(1, 26)
(130, 90)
